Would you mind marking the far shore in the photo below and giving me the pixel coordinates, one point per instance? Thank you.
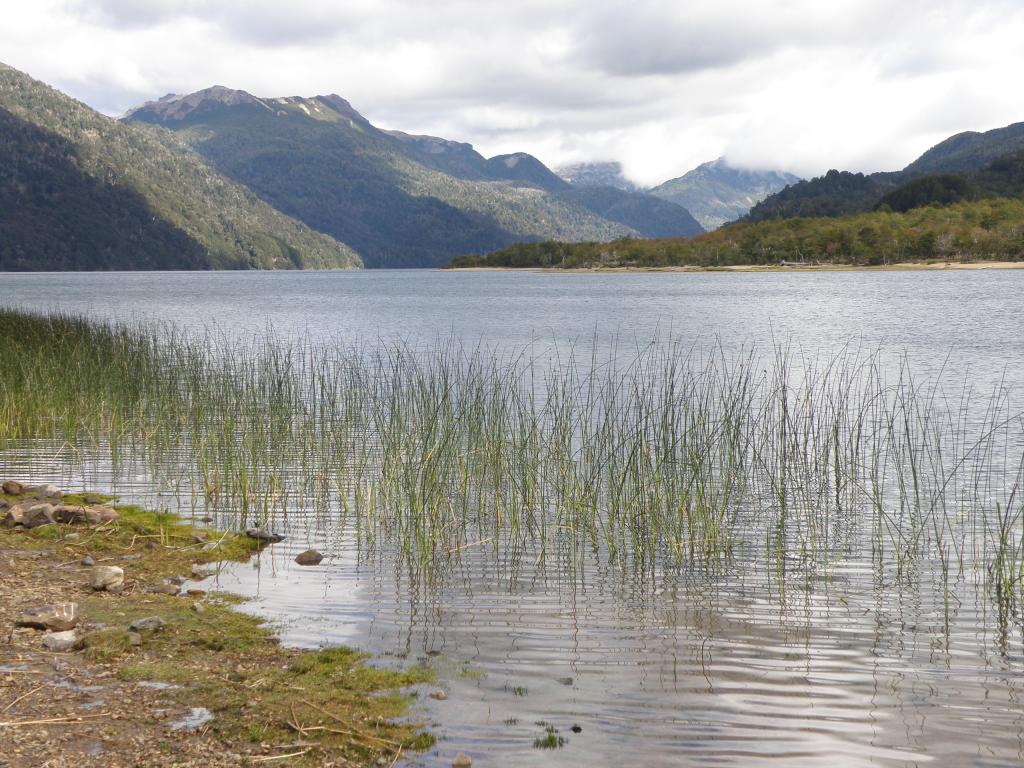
(909, 266)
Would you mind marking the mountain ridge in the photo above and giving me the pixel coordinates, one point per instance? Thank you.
(837, 193)
(80, 190)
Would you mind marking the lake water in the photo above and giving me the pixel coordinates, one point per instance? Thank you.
(851, 665)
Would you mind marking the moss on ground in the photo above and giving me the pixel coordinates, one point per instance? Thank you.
(330, 700)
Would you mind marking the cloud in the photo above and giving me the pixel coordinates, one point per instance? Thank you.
(658, 84)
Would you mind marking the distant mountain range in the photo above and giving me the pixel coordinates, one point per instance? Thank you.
(81, 191)
(399, 200)
(965, 166)
(715, 192)
(601, 174)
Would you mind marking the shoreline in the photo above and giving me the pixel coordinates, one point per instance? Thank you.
(114, 652)
(909, 266)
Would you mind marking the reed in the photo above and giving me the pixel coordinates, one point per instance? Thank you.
(665, 457)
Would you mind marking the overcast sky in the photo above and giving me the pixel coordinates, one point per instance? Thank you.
(661, 85)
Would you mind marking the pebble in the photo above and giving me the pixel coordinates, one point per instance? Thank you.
(56, 618)
(87, 561)
(198, 607)
(200, 571)
(262, 534)
(134, 639)
(71, 537)
(462, 760)
(165, 589)
(61, 642)
(195, 592)
(309, 557)
(108, 577)
(439, 695)
(148, 624)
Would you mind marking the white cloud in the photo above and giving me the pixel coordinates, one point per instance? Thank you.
(658, 84)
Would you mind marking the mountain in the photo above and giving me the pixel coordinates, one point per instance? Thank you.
(968, 151)
(1003, 177)
(839, 192)
(717, 192)
(81, 191)
(602, 174)
(401, 200)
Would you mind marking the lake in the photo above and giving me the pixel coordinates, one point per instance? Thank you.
(858, 658)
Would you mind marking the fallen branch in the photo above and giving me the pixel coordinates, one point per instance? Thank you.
(268, 758)
(23, 696)
(68, 719)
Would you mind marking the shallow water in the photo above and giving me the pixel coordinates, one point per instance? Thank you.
(847, 664)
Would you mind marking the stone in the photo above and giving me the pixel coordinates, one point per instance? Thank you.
(15, 516)
(38, 515)
(439, 696)
(262, 534)
(59, 617)
(71, 515)
(93, 499)
(462, 760)
(13, 488)
(61, 642)
(199, 538)
(309, 557)
(148, 624)
(165, 589)
(71, 537)
(134, 639)
(198, 607)
(47, 491)
(178, 580)
(87, 561)
(196, 592)
(106, 514)
(107, 577)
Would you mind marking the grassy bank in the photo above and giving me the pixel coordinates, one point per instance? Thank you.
(986, 230)
(664, 457)
(324, 707)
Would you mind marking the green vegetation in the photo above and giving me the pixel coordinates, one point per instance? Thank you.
(551, 739)
(982, 230)
(81, 191)
(667, 459)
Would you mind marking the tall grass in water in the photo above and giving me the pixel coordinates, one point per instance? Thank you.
(673, 458)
